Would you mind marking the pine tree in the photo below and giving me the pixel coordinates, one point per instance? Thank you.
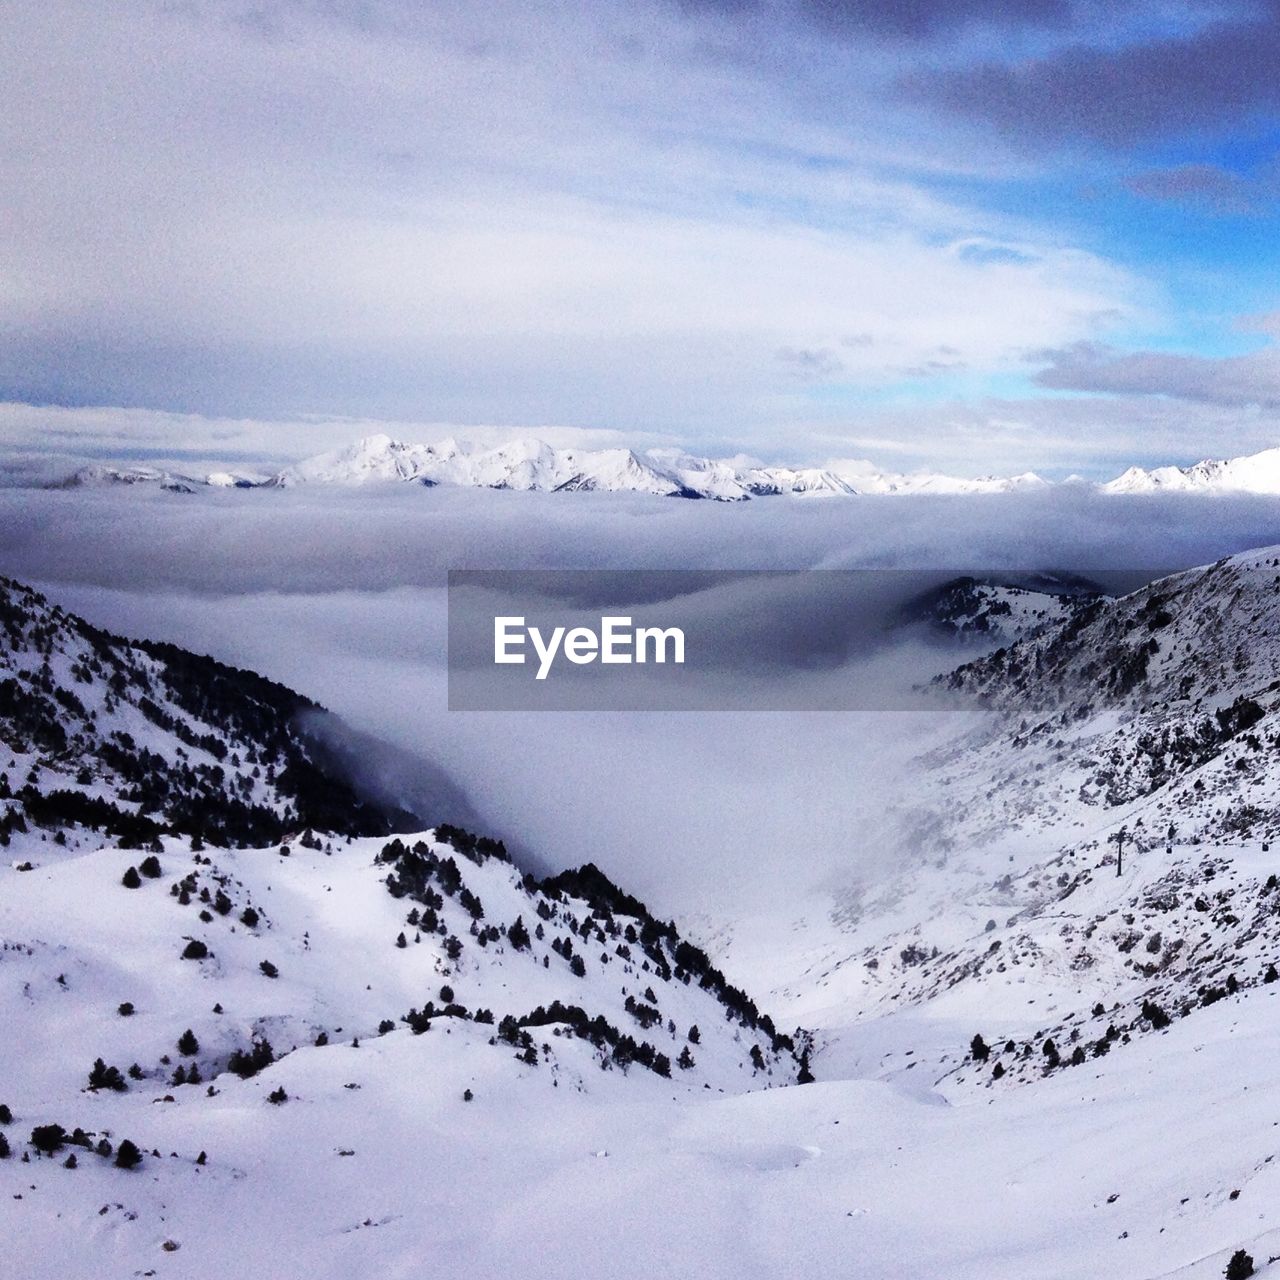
(48, 1138)
(131, 879)
(195, 950)
(4, 1147)
(979, 1050)
(1240, 1267)
(188, 1044)
(150, 867)
(128, 1156)
(102, 1076)
(268, 970)
(6, 1116)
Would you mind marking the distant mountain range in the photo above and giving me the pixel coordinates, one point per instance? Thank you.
(533, 465)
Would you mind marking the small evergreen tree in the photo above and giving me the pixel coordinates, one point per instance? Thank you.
(4, 1147)
(268, 970)
(131, 879)
(249, 918)
(128, 1156)
(1240, 1267)
(6, 1116)
(979, 1050)
(102, 1076)
(188, 1044)
(195, 950)
(150, 867)
(48, 1138)
(125, 1010)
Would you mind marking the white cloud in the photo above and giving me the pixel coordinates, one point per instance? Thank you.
(591, 217)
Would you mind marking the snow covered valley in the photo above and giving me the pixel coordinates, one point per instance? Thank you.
(1025, 1062)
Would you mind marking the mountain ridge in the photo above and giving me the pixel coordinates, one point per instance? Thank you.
(531, 464)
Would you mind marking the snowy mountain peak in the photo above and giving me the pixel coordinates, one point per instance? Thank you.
(1254, 473)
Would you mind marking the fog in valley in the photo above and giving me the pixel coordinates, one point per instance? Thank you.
(342, 596)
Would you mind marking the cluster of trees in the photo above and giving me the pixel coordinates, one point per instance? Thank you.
(616, 1046)
(50, 1139)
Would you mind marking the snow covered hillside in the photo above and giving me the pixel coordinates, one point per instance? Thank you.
(170, 1003)
(138, 739)
(328, 1053)
(1091, 857)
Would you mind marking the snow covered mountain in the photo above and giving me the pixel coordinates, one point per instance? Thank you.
(995, 609)
(357, 1048)
(1095, 851)
(534, 465)
(208, 938)
(98, 476)
(531, 464)
(1256, 473)
(139, 739)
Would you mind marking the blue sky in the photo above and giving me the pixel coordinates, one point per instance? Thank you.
(972, 234)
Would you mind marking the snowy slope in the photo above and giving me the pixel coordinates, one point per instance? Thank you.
(551, 1142)
(1256, 473)
(1150, 721)
(138, 739)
